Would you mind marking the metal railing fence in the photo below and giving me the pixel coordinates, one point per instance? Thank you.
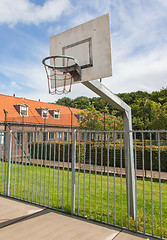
(84, 173)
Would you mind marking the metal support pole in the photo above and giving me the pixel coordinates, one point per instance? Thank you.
(73, 172)
(5, 134)
(5, 112)
(71, 117)
(9, 161)
(120, 105)
(129, 164)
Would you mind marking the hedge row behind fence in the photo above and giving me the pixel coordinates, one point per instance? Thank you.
(60, 151)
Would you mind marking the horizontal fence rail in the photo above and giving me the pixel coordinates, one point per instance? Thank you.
(84, 173)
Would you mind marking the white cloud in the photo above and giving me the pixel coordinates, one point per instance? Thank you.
(30, 83)
(82, 12)
(24, 11)
(15, 85)
(138, 24)
(138, 37)
(145, 72)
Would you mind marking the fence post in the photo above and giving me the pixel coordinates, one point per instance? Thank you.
(73, 171)
(9, 161)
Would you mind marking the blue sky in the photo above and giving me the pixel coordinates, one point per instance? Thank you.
(138, 43)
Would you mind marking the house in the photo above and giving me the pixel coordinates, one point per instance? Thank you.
(21, 114)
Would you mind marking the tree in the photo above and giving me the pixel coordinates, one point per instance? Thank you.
(159, 96)
(161, 121)
(149, 110)
(99, 103)
(129, 98)
(145, 113)
(65, 101)
(91, 119)
(96, 120)
(80, 102)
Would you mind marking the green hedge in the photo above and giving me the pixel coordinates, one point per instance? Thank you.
(51, 151)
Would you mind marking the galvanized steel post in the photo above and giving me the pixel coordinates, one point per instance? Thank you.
(129, 164)
(9, 161)
(73, 171)
(120, 105)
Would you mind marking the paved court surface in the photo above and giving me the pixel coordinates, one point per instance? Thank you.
(19, 220)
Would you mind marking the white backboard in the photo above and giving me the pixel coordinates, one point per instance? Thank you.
(90, 44)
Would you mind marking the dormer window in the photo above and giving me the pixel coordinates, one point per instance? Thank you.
(79, 117)
(23, 110)
(55, 113)
(45, 113)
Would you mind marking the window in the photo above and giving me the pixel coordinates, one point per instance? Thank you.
(65, 136)
(23, 110)
(19, 137)
(81, 118)
(56, 114)
(51, 135)
(59, 135)
(45, 136)
(1, 138)
(44, 113)
(29, 136)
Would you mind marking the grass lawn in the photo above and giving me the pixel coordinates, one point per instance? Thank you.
(28, 182)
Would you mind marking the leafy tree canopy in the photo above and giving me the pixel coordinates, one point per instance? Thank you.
(149, 110)
(80, 102)
(93, 119)
(65, 101)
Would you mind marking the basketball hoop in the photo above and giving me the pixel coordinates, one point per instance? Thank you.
(61, 71)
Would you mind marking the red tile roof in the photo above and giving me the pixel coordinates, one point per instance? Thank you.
(8, 103)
